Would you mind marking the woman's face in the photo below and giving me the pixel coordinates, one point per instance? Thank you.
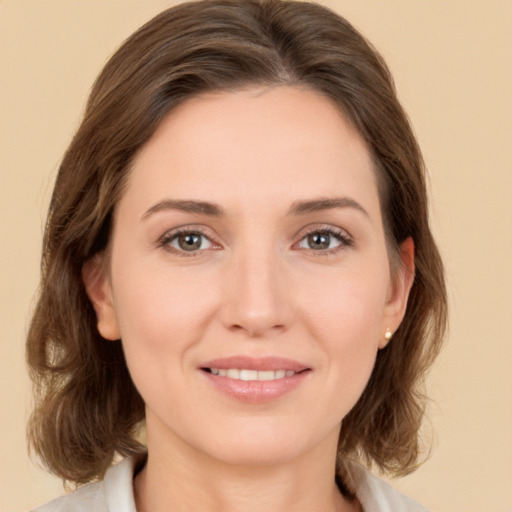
(248, 276)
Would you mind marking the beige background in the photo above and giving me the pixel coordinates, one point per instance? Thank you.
(451, 60)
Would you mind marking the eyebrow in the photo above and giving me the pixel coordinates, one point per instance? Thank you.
(187, 206)
(325, 203)
(214, 210)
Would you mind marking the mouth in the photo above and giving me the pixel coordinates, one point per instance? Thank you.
(246, 374)
(255, 380)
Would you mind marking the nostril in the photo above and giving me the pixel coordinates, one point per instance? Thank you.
(257, 330)
(255, 318)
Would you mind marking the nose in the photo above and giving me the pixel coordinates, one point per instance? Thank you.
(256, 295)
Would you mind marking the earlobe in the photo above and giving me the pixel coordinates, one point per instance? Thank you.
(401, 285)
(99, 291)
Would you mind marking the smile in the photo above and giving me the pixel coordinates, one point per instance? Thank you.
(255, 380)
(251, 375)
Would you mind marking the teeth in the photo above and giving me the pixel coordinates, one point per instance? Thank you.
(267, 375)
(248, 375)
(234, 373)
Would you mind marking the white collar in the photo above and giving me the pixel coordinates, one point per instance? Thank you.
(374, 494)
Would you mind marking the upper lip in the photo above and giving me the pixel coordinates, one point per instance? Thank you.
(255, 363)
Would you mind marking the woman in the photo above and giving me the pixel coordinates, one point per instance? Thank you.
(237, 258)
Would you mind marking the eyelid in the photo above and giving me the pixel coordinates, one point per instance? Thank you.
(342, 235)
(164, 240)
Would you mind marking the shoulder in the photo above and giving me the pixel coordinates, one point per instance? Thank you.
(112, 494)
(376, 495)
(88, 497)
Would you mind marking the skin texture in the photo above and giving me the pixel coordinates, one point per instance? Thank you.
(257, 284)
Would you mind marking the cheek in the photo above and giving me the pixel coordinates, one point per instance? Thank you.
(161, 315)
(343, 315)
(154, 297)
(346, 306)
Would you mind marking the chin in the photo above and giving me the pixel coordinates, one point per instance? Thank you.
(257, 455)
(265, 447)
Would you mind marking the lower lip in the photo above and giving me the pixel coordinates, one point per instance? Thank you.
(256, 391)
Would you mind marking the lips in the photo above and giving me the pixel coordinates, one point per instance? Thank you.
(255, 380)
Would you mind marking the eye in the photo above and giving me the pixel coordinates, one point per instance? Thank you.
(324, 240)
(187, 241)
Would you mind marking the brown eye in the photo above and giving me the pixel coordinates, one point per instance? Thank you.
(319, 241)
(325, 240)
(189, 242)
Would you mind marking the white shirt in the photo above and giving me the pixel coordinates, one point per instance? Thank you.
(115, 494)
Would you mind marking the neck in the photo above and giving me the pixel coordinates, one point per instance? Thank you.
(177, 477)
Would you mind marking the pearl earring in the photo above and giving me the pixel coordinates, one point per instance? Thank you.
(388, 334)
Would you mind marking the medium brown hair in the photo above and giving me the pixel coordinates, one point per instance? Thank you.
(87, 409)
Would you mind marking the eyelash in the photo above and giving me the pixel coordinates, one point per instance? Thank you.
(340, 235)
(166, 240)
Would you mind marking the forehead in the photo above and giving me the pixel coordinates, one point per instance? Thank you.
(257, 143)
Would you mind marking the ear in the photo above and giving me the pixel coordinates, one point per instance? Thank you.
(99, 290)
(401, 283)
